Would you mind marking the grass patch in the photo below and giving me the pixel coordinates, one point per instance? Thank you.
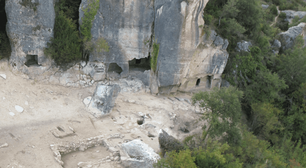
(154, 56)
(29, 4)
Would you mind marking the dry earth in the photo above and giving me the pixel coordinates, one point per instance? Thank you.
(28, 134)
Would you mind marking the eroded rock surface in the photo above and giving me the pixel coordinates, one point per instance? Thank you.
(103, 99)
(29, 27)
(288, 37)
(140, 155)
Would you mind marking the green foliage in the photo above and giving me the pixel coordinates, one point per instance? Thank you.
(208, 19)
(223, 111)
(66, 44)
(154, 56)
(182, 159)
(214, 155)
(89, 15)
(102, 45)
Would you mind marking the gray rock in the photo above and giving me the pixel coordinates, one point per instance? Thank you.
(277, 44)
(225, 83)
(18, 109)
(140, 155)
(86, 101)
(243, 46)
(4, 145)
(127, 28)
(290, 14)
(287, 38)
(219, 41)
(264, 6)
(29, 27)
(3, 76)
(103, 99)
(169, 143)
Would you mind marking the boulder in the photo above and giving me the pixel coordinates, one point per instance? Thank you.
(103, 99)
(169, 143)
(264, 6)
(243, 46)
(140, 155)
(3, 76)
(288, 37)
(276, 46)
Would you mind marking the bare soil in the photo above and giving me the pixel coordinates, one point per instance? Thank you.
(48, 106)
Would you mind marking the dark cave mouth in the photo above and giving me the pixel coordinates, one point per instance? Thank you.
(141, 64)
(5, 47)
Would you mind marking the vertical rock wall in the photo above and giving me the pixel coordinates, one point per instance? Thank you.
(126, 25)
(29, 28)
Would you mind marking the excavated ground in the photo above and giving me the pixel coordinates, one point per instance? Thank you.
(25, 137)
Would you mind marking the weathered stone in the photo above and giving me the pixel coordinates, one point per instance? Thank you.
(127, 28)
(290, 14)
(29, 27)
(288, 37)
(103, 99)
(169, 143)
(141, 155)
(4, 145)
(3, 76)
(86, 101)
(19, 109)
(264, 6)
(243, 46)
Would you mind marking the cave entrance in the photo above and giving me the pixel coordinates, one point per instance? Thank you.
(114, 67)
(5, 47)
(198, 82)
(142, 64)
(208, 82)
(32, 60)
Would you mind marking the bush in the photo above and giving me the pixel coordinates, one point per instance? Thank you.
(66, 44)
(182, 159)
(208, 19)
(154, 56)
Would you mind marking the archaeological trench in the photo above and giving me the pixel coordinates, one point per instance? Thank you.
(108, 110)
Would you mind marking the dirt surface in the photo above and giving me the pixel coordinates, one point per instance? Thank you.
(28, 134)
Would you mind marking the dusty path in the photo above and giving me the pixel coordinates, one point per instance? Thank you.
(47, 106)
(275, 19)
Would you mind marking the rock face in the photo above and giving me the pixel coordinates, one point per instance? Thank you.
(103, 99)
(127, 28)
(288, 37)
(290, 14)
(187, 58)
(29, 28)
(141, 155)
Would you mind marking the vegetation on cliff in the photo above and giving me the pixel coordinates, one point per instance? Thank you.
(260, 121)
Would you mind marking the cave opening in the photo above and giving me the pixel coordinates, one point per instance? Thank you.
(31, 60)
(208, 82)
(114, 67)
(198, 82)
(141, 65)
(5, 47)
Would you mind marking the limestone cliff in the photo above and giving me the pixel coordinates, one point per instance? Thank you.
(188, 59)
(29, 28)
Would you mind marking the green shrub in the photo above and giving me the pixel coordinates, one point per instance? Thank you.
(66, 44)
(154, 56)
(208, 19)
(182, 159)
(89, 15)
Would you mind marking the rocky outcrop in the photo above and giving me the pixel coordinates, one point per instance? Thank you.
(168, 143)
(243, 46)
(189, 58)
(140, 155)
(288, 37)
(127, 28)
(290, 14)
(29, 28)
(103, 99)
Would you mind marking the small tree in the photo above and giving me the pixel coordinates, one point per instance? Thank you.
(223, 111)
